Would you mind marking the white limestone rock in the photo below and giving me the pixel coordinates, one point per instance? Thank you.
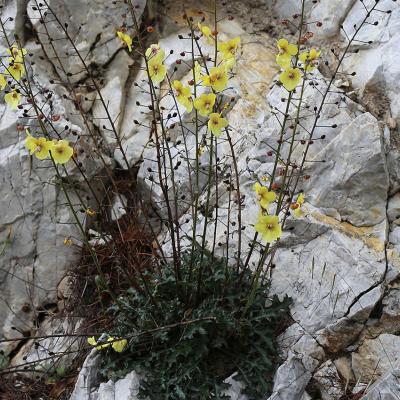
(87, 386)
(87, 378)
(290, 380)
(328, 381)
(353, 161)
(393, 210)
(376, 357)
(118, 207)
(317, 276)
(35, 215)
(49, 353)
(108, 109)
(386, 388)
(135, 135)
(91, 24)
(123, 389)
(33, 227)
(387, 23)
(376, 63)
(329, 12)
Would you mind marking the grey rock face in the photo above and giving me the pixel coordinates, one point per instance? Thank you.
(291, 380)
(376, 357)
(375, 63)
(329, 12)
(87, 378)
(92, 26)
(87, 386)
(350, 161)
(33, 228)
(386, 388)
(34, 215)
(109, 105)
(329, 382)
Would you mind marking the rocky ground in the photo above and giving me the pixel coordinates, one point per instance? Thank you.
(340, 264)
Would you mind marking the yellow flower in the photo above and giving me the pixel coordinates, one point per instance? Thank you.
(12, 99)
(229, 48)
(61, 151)
(3, 82)
(264, 196)
(296, 207)
(286, 51)
(300, 198)
(38, 146)
(309, 59)
(283, 61)
(206, 31)
(205, 103)
(16, 53)
(197, 72)
(218, 79)
(126, 39)
(157, 70)
(15, 69)
(90, 212)
(216, 123)
(268, 227)
(100, 345)
(92, 341)
(119, 345)
(228, 64)
(155, 52)
(290, 78)
(183, 95)
(67, 241)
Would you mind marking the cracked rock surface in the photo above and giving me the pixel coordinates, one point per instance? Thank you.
(34, 216)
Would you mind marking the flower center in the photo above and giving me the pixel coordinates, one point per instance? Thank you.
(291, 75)
(270, 226)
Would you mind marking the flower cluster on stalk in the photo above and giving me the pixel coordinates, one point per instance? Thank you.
(214, 78)
(60, 150)
(267, 225)
(13, 72)
(291, 75)
(117, 344)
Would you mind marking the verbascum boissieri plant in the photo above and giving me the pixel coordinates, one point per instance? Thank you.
(181, 312)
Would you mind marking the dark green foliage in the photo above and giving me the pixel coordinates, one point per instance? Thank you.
(191, 358)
